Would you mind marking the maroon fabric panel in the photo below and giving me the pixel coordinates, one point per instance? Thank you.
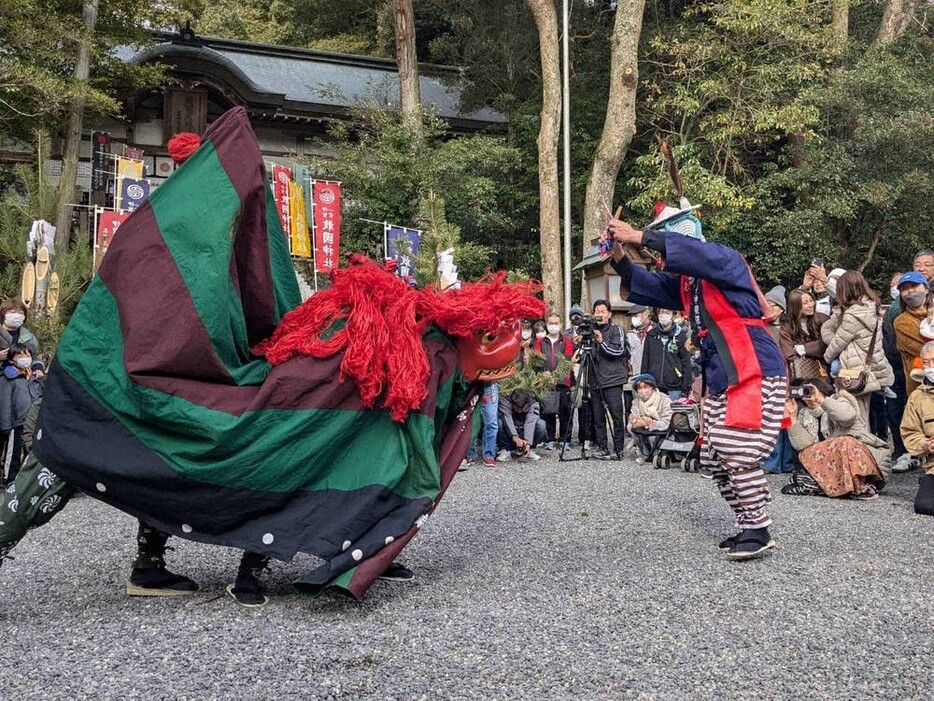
(300, 383)
(143, 261)
(251, 268)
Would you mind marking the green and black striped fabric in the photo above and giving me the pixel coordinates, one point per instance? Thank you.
(156, 405)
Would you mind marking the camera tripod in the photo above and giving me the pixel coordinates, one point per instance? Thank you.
(583, 390)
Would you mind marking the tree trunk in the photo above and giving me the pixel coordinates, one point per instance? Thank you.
(409, 94)
(620, 120)
(66, 188)
(895, 20)
(841, 23)
(546, 19)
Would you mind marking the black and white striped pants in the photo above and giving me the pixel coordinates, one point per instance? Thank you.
(735, 455)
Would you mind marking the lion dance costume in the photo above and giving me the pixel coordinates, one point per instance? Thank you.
(192, 391)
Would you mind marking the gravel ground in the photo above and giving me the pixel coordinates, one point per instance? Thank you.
(584, 580)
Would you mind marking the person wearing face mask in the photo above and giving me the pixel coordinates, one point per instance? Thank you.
(918, 430)
(665, 356)
(913, 290)
(895, 402)
(777, 305)
(651, 414)
(17, 395)
(640, 324)
(557, 408)
(525, 346)
(715, 288)
(13, 331)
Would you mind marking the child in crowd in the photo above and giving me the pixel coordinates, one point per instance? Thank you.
(18, 390)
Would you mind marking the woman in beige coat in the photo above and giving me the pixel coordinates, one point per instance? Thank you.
(848, 334)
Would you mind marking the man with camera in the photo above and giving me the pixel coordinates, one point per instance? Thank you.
(611, 371)
(743, 367)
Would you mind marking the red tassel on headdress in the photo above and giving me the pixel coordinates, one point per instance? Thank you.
(182, 145)
(384, 321)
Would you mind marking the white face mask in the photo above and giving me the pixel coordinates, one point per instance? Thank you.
(24, 363)
(14, 320)
(526, 334)
(665, 319)
(554, 329)
(894, 292)
(929, 375)
(637, 321)
(540, 334)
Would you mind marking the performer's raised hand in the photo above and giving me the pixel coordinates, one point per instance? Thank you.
(624, 233)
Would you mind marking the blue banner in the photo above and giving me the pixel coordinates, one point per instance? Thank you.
(133, 195)
(402, 246)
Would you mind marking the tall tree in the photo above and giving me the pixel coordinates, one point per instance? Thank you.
(840, 23)
(620, 121)
(895, 20)
(66, 190)
(546, 20)
(410, 100)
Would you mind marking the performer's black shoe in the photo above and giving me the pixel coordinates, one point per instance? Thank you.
(397, 572)
(749, 543)
(158, 581)
(246, 589)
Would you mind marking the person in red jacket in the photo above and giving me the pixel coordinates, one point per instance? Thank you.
(557, 408)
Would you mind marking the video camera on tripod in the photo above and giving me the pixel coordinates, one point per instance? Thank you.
(585, 328)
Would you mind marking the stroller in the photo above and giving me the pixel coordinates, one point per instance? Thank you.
(678, 445)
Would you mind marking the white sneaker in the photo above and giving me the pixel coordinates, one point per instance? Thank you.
(503, 456)
(903, 464)
(533, 456)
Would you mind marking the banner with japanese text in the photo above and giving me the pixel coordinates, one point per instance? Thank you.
(133, 194)
(402, 246)
(281, 177)
(107, 226)
(326, 202)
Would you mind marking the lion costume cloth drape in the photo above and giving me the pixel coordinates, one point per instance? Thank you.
(157, 405)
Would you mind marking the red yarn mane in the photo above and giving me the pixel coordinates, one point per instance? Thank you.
(379, 321)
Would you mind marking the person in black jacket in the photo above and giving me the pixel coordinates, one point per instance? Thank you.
(665, 357)
(606, 388)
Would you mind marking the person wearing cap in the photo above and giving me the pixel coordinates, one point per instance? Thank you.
(742, 364)
(913, 296)
(651, 412)
(778, 303)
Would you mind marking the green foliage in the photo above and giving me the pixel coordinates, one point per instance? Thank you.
(39, 40)
(389, 173)
(533, 377)
(34, 198)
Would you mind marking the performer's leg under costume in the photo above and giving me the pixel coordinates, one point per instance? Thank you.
(734, 455)
(37, 494)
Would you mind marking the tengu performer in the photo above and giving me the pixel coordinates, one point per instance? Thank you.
(743, 366)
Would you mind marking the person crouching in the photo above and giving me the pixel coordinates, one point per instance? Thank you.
(650, 415)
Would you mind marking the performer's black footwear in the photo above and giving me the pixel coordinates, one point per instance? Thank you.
(149, 576)
(397, 572)
(247, 590)
(728, 543)
(751, 543)
(158, 581)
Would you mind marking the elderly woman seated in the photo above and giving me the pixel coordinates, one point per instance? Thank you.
(650, 415)
(840, 456)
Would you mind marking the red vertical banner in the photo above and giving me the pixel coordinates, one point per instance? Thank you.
(281, 177)
(326, 202)
(106, 228)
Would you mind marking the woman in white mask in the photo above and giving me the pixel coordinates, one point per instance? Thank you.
(13, 331)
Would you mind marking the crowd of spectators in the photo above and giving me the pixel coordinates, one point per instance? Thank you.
(861, 377)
